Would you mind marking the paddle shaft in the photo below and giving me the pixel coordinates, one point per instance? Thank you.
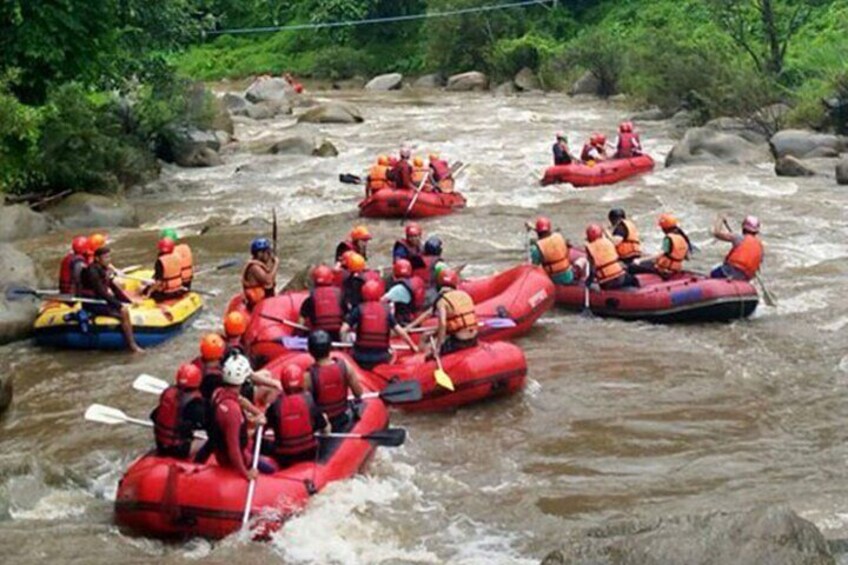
(414, 198)
(251, 488)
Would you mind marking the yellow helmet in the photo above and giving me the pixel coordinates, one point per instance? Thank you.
(418, 162)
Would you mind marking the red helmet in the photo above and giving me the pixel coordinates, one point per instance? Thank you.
(593, 232)
(543, 224)
(402, 269)
(235, 324)
(212, 347)
(188, 376)
(80, 245)
(413, 230)
(322, 275)
(372, 291)
(598, 139)
(165, 245)
(448, 277)
(292, 378)
(625, 127)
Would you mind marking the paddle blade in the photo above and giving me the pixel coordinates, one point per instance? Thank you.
(105, 415)
(149, 384)
(15, 292)
(294, 343)
(349, 178)
(402, 391)
(443, 379)
(499, 323)
(392, 437)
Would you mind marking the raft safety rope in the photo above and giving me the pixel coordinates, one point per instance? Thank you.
(368, 21)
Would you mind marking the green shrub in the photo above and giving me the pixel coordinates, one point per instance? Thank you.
(508, 56)
(339, 62)
(20, 130)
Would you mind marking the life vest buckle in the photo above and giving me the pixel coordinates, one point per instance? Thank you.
(311, 489)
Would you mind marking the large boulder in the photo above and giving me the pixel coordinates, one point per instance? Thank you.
(235, 103)
(745, 129)
(264, 89)
(789, 166)
(588, 83)
(332, 113)
(16, 317)
(465, 82)
(84, 210)
(842, 171)
(773, 535)
(5, 392)
(435, 80)
(652, 114)
(304, 144)
(708, 146)
(188, 146)
(391, 81)
(204, 105)
(19, 222)
(802, 143)
(506, 89)
(526, 79)
(268, 109)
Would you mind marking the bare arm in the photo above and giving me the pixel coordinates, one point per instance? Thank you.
(352, 380)
(720, 231)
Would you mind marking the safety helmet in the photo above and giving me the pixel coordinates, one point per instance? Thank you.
(354, 262)
(80, 245)
(437, 270)
(625, 127)
(96, 241)
(418, 162)
(598, 139)
(372, 291)
(188, 376)
(433, 246)
(322, 275)
(235, 324)
(751, 224)
(413, 230)
(405, 152)
(237, 369)
(168, 232)
(382, 160)
(616, 215)
(319, 344)
(360, 233)
(543, 224)
(448, 277)
(593, 232)
(260, 244)
(561, 135)
(212, 347)
(402, 269)
(433, 157)
(292, 378)
(667, 222)
(165, 245)
(393, 161)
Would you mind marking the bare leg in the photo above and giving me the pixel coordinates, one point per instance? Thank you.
(126, 327)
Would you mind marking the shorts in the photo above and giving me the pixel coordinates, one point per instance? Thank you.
(725, 271)
(452, 345)
(103, 310)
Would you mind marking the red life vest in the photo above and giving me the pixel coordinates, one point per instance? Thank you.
(373, 331)
(168, 427)
(584, 155)
(440, 169)
(67, 285)
(627, 142)
(225, 397)
(293, 433)
(747, 256)
(212, 380)
(411, 252)
(418, 291)
(327, 311)
(329, 388)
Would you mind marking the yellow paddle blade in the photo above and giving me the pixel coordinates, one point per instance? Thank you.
(442, 379)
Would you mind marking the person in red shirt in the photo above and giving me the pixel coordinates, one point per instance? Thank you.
(402, 171)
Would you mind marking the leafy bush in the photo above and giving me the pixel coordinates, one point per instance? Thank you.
(20, 129)
(339, 62)
(508, 56)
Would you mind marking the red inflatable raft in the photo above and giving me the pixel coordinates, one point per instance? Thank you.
(164, 497)
(392, 203)
(687, 297)
(605, 172)
(522, 294)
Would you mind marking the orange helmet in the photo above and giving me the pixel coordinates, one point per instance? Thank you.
(413, 230)
(594, 232)
(165, 245)
(448, 277)
(382, 160)
(402, 269)
(360, 233)
(212, 347)
(188, 376)
(322, 275)
(292, 378)
(96, 241)
(235, 324)
(418, 162)
(355, 263)
(80, 245)
(667, 222)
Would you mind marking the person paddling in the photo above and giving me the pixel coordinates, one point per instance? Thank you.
(605, 266)
(675, 250)
(378, 176)
(454, 310)
(183, 252)
(325, 307)
(407, 293)
(595, 150)
(332, 382)
(552, 252)
(562, 156)
(180, 412)
(409, 248)
(357, 241)
(259, 277)
(746, 253)
(625, 236)
(628, 143)
(402, 171)
(441, 173)
(167, 273)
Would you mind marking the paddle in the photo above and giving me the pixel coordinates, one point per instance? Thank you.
(587, 307)
(220, 266)
(14, 293)
(414, 199)
(274, 228)
(301, 343)
(390, 437)
(768, 297)
(396, 392)
(442, 378)
(112, 416)
(495, 323)
(349, 178)
(252, 486)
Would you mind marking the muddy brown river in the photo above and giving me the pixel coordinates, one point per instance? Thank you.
(618, 419)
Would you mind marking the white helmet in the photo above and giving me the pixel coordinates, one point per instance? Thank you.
(237, 370)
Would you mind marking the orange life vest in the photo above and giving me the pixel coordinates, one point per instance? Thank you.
(605, 259)
(672, 262)
(183, 251)
(630, 247)
(378, 178)
(747, 256)
(460, 311)
(255, 292)
(554, 252)
(171, 282)
(419, 174)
